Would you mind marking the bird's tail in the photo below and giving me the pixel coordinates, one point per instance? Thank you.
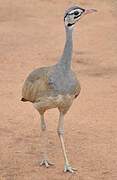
(24, 100)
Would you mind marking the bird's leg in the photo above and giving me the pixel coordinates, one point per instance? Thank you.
(45, 160)
(67, 166)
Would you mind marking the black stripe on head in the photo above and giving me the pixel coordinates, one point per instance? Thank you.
(70, 24)
(67, 12)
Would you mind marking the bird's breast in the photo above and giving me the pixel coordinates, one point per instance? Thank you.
(64, 83)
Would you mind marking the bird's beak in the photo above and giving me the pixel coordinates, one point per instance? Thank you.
(88, 11)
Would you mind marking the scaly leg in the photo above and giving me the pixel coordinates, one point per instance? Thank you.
(60, 130)
(45, 160)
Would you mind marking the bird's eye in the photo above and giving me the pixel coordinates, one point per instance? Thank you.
(76, 13)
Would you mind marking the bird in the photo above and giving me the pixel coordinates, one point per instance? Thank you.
(56, 86)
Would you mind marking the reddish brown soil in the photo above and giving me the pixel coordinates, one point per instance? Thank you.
(32, 35)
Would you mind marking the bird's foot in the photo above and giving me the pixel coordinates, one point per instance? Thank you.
(46, 163)
(68, 168)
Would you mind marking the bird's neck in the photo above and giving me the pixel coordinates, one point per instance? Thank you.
(65, 60)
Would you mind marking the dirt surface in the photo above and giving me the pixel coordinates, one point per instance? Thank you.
(32, 35)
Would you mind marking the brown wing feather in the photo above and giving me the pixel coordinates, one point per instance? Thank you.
(36, 85)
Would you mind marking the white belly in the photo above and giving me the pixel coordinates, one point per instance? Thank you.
(54, 102)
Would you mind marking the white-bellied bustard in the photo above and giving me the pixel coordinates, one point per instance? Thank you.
(56, 86)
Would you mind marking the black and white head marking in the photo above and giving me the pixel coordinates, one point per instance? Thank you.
(72, 15)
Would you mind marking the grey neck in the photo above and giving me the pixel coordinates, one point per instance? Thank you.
(65, 60)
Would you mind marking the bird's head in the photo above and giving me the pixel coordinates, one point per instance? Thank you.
(73, 14)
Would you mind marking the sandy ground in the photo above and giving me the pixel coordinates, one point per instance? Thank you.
(32, 35)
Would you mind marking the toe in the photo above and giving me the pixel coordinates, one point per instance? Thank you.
(68, 168)
(50, 163)
(42, 163)
(46, 163)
